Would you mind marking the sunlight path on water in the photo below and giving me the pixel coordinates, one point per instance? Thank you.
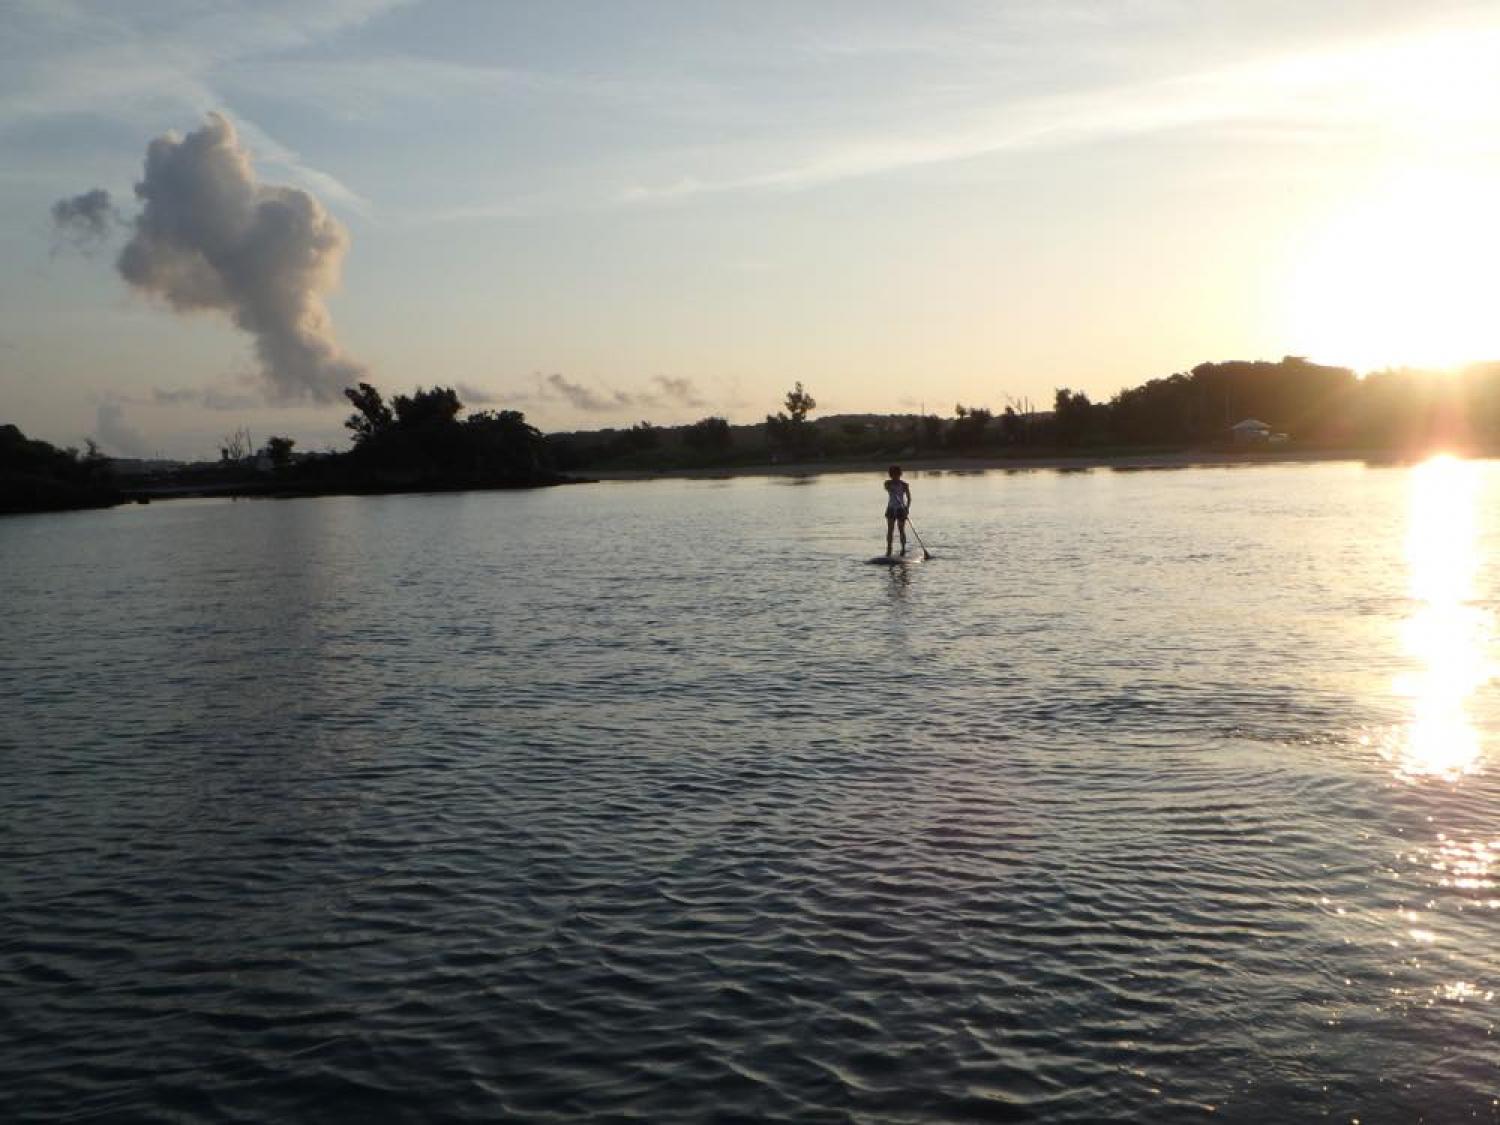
(1448, 634)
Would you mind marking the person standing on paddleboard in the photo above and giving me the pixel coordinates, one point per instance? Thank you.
(897, 504)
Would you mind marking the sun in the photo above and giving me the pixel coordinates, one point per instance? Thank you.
(1403, 277)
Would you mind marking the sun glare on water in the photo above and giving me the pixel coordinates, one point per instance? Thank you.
(1404, 277)
(1447, 634)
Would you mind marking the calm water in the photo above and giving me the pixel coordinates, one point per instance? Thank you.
(1154, 796)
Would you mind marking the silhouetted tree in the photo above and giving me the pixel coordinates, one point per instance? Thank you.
(423, 440)
(424, 409)
(565, 452)
(501, 445)
(37, 476)
(373, 417)
(637, 439)
(789, 429)
(1314, 402)
(1072, 418)
(279, 450)
(968, 430)
(237, 446)
(1010, 426)
(708, 435)
(799, 404)
(931, 432)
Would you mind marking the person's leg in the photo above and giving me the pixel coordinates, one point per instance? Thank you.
(902, 523)
(890, 530)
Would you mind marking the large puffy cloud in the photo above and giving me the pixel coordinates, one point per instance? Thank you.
(211, 236)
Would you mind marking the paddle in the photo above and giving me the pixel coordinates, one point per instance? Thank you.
(914, 531)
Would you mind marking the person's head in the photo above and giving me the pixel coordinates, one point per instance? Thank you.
(895, 472)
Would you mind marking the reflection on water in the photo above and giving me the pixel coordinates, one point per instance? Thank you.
(1447, 633)
(451, 807)
(1467, 865)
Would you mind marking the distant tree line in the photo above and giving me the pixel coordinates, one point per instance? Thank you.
(421, 439)
(1316, 406)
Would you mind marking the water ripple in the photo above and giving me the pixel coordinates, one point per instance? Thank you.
(459, 813)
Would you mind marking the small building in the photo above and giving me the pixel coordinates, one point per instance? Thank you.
(1252, 431)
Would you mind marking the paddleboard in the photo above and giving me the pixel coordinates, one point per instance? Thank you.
(895, 560)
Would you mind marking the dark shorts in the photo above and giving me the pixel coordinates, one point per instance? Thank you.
(895, 513)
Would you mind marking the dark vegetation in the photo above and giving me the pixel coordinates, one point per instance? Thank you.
(422, 441)
(415, 443)
(419, 441)
(1308, 406)
(1317, 406)
(38, 477)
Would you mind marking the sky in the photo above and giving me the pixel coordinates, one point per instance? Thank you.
(603, 212)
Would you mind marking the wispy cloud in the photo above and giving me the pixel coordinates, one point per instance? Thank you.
(585, 398)
(1406, 85)
(360, 86)
(679, 391)
(211, 397)
(470, 395)
(147, 64)
(662, 391)
(1381, 84)
(325, 185)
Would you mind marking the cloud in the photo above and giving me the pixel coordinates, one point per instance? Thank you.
(114, 434)
(663, 392)
(360, 86)
(211, 236)
(582, 398)
(667, 391)
(679, 391)
(324, 184)
(210, 397)
(85, 221)
(471, 395)
(1429, 82)
(179, 397)
(137, 63)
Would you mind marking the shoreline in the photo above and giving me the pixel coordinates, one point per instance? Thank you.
(1061, 463)
(1118, 462)
(285, 490)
